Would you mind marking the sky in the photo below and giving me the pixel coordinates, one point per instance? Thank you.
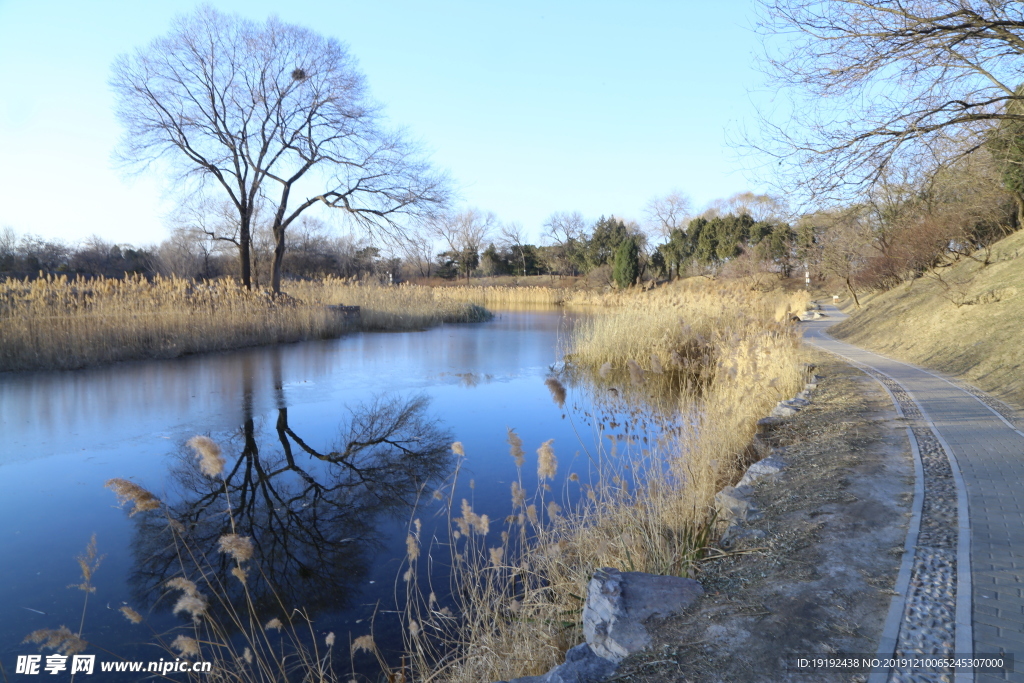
(531, 107)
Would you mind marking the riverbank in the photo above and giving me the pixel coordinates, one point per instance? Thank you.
(817, 571)
(60, 324)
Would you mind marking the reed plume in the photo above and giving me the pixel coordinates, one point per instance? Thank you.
(128, 491)
(515, 447)
(238, 547)
(186, 647)
(61, 640)
(557, 390)
(211, 462)
(547, 463)
(130, 614)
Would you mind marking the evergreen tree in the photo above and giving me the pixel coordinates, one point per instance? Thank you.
(607, 236)
(626, 267)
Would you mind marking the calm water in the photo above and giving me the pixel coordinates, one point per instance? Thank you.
(327, 443)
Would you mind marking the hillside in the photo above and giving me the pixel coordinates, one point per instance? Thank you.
(969, 323)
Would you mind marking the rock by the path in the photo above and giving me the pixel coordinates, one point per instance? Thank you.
(769, 468)
(767, 424)
(733, 504)
(619, 602)
(582, 665)
(783, 410)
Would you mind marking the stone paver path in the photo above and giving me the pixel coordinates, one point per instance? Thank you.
(988, 454)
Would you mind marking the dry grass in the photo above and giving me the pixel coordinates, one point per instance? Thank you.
(57, 323)
(967, 321)
(519, 589)
(405, 307)
(501, 296)
(691, 294)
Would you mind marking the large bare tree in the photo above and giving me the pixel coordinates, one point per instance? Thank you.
(272, 109)
(873, 83)
(667, 214)
(465, 233)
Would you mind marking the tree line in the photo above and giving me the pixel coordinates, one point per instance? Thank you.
(264, 124)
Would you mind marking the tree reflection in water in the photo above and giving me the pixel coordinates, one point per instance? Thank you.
(313, 516)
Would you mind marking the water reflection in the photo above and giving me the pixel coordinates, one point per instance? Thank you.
(313, 515)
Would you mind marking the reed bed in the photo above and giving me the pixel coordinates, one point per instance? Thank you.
(60, 323)
(675, 326)
(701, 292)
(518, 589)
(505, 296)
(401, 307)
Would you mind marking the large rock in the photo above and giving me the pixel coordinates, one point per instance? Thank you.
(783, 410)
(618, 604)
(766, 425)
(733, 504)
(582, 665)
(769, 468)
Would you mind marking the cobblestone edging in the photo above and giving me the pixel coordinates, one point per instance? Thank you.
(1004, 411)
(928, 626)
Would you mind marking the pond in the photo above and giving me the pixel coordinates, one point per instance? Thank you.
(328, 447)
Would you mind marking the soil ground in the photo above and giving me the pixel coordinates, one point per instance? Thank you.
(820, 581)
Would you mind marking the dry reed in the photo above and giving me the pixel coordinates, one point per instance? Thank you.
(60, 323)
(402, 307)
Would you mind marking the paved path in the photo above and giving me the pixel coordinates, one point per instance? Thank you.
(989, 454)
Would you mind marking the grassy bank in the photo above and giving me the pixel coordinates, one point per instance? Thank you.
(965, 320)
(519, 588)
(56, 323)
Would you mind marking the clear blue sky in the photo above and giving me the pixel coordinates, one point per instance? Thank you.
(533, 107)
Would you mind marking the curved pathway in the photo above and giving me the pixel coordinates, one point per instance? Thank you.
(983, 444)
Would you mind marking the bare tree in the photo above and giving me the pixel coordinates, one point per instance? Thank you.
(875, 83)
(566, 232)
(465, 234)
(213, 223)
(272, 109)
(512, 238)
(844, 247)
(417, 248)
(562, 227)
(669, 213)
(8, 240)
(186, 254)
(763, 208)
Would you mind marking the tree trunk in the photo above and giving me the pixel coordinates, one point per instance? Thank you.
(243, 249)
(1019, 198)
(275, 273)
(853, 292)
